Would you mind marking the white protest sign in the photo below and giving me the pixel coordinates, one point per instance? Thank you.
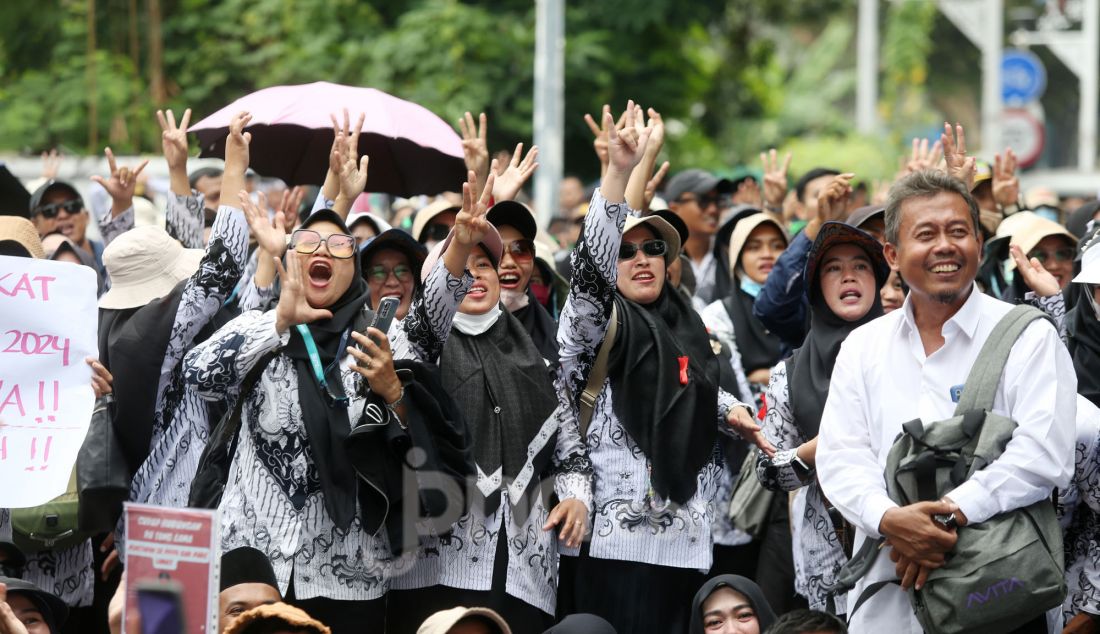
(48, 323)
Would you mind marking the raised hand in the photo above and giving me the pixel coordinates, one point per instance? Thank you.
(626, 147)
(832, 202)
(173, 138)
(9, 622)
(515, 174)
(120, 185)
(236, 144)
(959, 165)
(475, 146)
(292, 202)
(271, 236)
(657, 137)
(775, 178)
(600, 134)
(1034, 273)
(655, 182)
(922, 157)
(470, 223)
(1006, 186)
(353, 176)
(293, 307)
(51, 164)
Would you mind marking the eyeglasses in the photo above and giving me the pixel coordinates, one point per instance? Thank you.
(654, 248)
(436, 232)
(340, 245)
(1062, 255)
(69, 206)
(379, 273)
(522, 250)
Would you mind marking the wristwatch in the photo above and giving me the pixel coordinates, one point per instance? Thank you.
(804, 471)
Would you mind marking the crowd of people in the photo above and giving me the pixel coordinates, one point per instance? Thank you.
(674, 409)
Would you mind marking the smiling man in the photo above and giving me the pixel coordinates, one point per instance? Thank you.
(910, 364)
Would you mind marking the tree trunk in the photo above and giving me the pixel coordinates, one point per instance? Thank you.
(93, 114)
(156, 55)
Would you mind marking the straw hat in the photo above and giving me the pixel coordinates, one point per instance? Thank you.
(145, 263)
(431, 211)
(276, 613)
(1031, 233)
(21, 231)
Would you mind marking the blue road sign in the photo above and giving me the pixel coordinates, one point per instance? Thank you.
(1023, 76)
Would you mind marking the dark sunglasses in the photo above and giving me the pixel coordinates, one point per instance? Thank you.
(1062, 255)
(653, 248)
(69, 206)
(523, 249)
(379, 273)
(306, 241)
(720, 200)
(437, 232)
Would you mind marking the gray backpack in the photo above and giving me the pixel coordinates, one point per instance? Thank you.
(1003, 572)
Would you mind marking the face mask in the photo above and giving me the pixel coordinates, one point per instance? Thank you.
(513, 300)
(750, 287)
(542, 292)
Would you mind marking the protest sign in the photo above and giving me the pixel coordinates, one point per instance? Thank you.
(48, 323)
(175, 550)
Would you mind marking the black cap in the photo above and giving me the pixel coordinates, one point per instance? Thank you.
(514, 214)
(696, 181)
(865, 213)
(53, 609)
(49, 186)
(398, 240)
(246, 565)
(817, 172)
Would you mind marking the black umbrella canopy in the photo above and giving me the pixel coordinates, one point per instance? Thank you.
(14, 197)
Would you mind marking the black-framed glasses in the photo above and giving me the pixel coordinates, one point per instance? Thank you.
(654, 248)
(436, 232)
(379, 273)
(1065, 254)
(522, 249)
(69, 206)
(307, 241)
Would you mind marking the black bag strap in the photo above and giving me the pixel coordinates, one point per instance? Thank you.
(985, 375)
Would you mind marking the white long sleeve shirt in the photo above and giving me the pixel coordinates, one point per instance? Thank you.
(883, 379)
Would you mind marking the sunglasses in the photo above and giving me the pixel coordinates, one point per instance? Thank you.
(720, 200)
(653, 248)
(1062, 255)
(520, 249)
(69, 206)
(379, 273)
(437, 232)
(340, 245)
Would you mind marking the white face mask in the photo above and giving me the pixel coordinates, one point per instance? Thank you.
(476, 324)
(513, 300)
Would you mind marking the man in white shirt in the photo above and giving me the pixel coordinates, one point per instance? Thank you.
(912, 363)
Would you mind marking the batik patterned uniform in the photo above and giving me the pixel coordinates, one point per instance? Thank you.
(273, 500)
(630, 522)
(818, 555)
(1078, 507)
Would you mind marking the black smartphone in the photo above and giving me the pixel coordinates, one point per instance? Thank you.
(161, 607)
(384, 314)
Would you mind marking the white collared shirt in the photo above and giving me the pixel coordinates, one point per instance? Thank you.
(883, 379)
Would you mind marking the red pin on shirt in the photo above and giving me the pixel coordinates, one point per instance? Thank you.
(683, 370)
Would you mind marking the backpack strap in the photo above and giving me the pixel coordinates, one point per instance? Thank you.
(598, 374)
(981, 386)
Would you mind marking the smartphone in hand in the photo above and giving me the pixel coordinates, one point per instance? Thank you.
(384, 314)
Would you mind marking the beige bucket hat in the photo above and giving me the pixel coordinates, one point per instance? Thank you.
(145, 263)
(442, 622)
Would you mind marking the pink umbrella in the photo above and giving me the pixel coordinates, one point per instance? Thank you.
(412, 151)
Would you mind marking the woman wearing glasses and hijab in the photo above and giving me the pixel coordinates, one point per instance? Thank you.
(652, 436)
(845, 270)
(503, 552)
(292, 489)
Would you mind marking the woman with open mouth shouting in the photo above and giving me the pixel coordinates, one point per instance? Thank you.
(503, 551)
(845, 271)
(649, 406)
(292, 490)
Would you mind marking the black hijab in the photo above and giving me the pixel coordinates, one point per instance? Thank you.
(541, 327)
(675, 425)
(811, 366)
(504, 390)
(326, 421)
(1084, 331)
(764, 614)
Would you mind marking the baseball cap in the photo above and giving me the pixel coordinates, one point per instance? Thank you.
(52, 185)
(514, 214)
(442, 622)
(983, 172)
(696, 181)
